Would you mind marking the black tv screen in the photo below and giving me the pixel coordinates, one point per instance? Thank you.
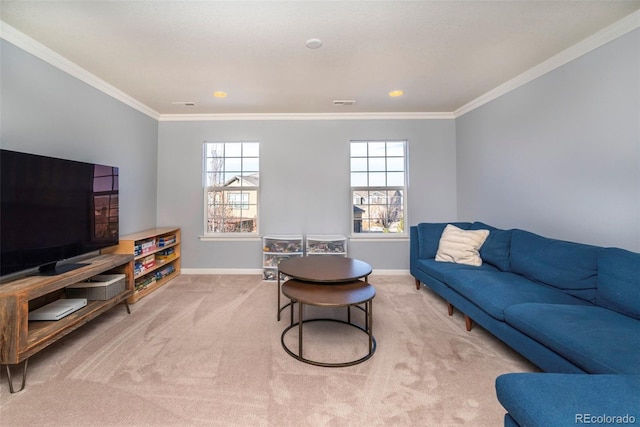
(54, 209)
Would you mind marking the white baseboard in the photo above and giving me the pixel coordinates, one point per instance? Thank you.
(249, 271)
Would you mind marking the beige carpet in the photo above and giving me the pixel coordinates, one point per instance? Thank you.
(205, 350)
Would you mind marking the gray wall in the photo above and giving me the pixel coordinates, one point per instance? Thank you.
(560, 156)
(46, 111)
(304, 181)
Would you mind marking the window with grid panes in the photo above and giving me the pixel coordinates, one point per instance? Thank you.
(378, 187)
(231, 184)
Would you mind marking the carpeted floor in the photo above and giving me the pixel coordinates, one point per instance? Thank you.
(205, 350)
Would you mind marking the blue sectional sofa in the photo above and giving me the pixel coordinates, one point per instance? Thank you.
(567, 307)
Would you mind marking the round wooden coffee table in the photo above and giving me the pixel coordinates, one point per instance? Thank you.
(322, 269)
(345, 294)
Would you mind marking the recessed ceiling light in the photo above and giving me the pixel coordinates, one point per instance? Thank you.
(313, 43)
(395, 93)
(220, 94)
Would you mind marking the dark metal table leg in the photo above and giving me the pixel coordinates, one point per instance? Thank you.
(369, 316)
(278, 289)
(24, 377)
(300, 323)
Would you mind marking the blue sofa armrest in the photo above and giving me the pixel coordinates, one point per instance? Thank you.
(546, 399)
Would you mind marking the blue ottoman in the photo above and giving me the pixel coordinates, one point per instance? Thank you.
(547, 399)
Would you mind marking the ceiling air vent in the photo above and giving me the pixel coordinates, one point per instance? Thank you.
(185, 103)
(344, 102)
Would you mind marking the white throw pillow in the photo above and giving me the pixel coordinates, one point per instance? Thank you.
(461, 246)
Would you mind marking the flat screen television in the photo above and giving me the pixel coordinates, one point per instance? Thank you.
(52, 210)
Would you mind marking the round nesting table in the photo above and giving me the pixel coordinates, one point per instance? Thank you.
(343, 294)
(328, 269)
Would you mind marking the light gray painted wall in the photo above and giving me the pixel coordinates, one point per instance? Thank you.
(304, 182)
(560, 156)
(46, 111)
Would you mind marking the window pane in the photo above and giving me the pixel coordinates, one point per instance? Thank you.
(210, 179)
(232, 164)
(215, 150)
(395, 179)
(358, 149)
(229, 178)
(358, 164)
(377, 164)
(214, 164)
(233, 149)
(395, 148)
(395, 164)
(376, 179)
(251, 149)
(377, 149)
(250, 165)
(358, 179)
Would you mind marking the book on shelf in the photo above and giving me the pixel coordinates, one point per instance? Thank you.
(144, 282)
(166, 240)
(166, 254)
(149, 261)
(145, 246)
(164, 272)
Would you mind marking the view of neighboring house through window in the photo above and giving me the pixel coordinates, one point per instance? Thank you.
(378, 181)
(231, 184)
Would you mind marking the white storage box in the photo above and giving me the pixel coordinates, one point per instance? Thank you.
(101, 287)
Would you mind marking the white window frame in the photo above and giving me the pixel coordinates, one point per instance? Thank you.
(224, 176)
(369, 187)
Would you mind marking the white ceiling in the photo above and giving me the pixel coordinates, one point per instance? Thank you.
(442, 54)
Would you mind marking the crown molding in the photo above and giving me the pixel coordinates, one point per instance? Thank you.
(624, 26)
(620, 28)
(37, 49)
(305, 116)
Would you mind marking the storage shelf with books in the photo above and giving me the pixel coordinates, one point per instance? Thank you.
(276, 249)
(156, 258)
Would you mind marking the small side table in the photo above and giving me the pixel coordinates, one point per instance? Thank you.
(322, 269)
(346, 294)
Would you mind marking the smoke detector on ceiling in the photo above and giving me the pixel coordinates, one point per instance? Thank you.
(344, 102)
(313, 43)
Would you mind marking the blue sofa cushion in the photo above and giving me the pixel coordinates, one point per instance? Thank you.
(543, 400)
(598, 340)
(438, 269)
(495, 291)
(619, 281)
(571, 267)
(429, 236)
(496, 248)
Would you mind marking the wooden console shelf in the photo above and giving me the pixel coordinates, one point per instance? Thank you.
(152, 276)
(19, 338)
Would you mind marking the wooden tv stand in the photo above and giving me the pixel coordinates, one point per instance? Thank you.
(20, 339)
